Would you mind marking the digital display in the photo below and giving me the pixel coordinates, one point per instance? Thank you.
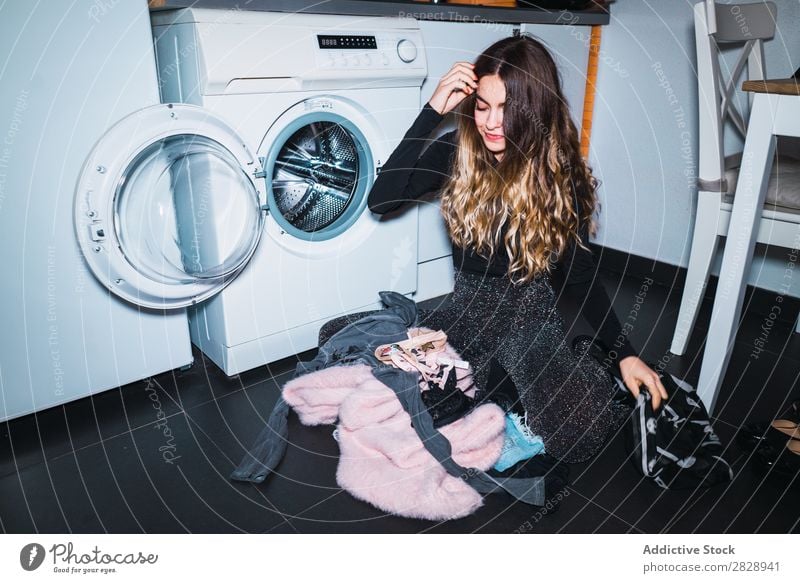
(346, 42)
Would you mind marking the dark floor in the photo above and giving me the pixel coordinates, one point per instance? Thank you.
(155, 456)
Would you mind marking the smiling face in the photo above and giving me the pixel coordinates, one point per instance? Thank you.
(490, 99)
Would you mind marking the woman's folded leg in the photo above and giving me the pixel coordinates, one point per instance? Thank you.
(568, 399)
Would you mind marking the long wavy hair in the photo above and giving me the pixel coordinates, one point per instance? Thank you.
(541, 194)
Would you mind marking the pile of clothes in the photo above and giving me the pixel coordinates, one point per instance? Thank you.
(382, 459)
(393, 455)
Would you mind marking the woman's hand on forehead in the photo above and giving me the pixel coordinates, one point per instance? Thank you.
(459, 82)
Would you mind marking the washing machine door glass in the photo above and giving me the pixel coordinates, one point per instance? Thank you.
(185, 210)
(178, 217)
(318, 174)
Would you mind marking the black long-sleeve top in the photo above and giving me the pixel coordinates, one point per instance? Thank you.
(407, 176)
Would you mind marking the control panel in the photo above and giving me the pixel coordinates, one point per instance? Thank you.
(397, 49)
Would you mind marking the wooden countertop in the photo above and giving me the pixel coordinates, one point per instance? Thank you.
(523, 13)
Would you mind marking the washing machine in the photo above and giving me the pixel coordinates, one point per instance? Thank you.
(72, 70)
(317, 103)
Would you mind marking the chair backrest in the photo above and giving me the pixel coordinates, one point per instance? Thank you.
(718, 25)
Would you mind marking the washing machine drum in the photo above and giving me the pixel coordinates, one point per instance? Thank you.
(318, 178)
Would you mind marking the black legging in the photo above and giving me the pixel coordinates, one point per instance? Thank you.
(567, 396)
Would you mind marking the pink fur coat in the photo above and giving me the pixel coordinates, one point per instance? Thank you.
(382, 460)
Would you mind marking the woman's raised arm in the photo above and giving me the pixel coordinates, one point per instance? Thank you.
(407, 176)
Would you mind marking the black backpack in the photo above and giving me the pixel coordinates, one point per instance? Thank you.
(674, 447)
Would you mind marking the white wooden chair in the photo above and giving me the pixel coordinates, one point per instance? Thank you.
(725, 25)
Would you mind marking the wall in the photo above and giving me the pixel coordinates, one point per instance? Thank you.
(69, 72)
(644, 139)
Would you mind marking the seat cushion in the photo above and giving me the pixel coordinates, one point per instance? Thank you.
(784, 181)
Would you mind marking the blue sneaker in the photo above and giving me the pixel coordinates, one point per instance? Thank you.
(519, 444)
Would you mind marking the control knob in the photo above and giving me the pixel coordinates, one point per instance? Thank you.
(406, 50)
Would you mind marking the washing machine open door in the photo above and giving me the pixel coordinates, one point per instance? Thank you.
(167, 211)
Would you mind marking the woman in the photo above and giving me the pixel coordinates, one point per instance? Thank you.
(518, 200)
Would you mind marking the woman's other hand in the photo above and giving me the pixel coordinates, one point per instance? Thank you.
(635, 373)
(454, 87)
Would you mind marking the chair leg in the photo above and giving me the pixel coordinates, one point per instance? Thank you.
(704, 247)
